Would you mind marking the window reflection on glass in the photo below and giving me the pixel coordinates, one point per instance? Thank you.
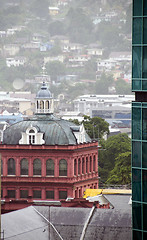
(136, 182)
(136, 123)
(136, 71)
(136, 154)
(136, 211)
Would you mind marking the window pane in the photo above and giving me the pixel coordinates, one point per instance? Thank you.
(144, 182)
(50, 167)
(11, 166)
(82, 165)
(136, 183)
(136, 71)
(36, 194)
(75, 167)
(1, 167)
(24, 167)
(144, 217)
(62, 194)
(63, 168)
(136, 154)
(144, 30)
(137, 27)
(86, 165)
(137, 8)
(136, 123)
(137, 235)
(90, 164)
(24, 193)
(136, 84)
(136, 211)
(144, 154)
(50, 194)
(144, 123)
(144, 7)
(144, 67)
(79, 165)
(11, 193)
(37, 167)
(93, 163)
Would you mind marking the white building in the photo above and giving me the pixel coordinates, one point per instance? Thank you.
(16, 61)
(87, 103)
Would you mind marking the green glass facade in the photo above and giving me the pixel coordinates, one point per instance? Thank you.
(139, 120)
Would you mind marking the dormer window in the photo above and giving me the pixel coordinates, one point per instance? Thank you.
(32, 136)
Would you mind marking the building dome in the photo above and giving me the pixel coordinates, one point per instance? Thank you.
(44, 93)
(50, 130)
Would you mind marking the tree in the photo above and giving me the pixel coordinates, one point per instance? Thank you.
(121, 174)
(113, 147)
(102, 85)
(55, 68)
(79, 26)
(122, 87)
(96, 127)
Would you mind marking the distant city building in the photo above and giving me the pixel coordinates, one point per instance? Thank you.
(86, 104)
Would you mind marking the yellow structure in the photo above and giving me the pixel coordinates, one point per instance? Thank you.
(95, 192)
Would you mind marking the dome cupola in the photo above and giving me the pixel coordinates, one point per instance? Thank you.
(44, 100)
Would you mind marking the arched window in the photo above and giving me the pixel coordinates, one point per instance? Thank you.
(50, 167)
(79, 162)
(94, 163)
(37, 167)
(37, 105)
(83, 165)
(75, 167)
(11, 166)
(47, 104)
(1, 167)
(31, 136)
(90, 164)
(24, 166)
(86, 164)
(41, 105)
(63, 167)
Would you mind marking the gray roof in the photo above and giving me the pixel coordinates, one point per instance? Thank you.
(44, 93)
(107, 224)
(56, 131)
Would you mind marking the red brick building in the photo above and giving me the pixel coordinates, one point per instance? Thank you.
(46, 158)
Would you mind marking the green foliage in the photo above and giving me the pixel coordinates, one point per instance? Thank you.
(78, 26)
(102, 85)
(56, 28)
(111, 149)
(121, 174)
(96, 127)
(122, 87)
(55, 68)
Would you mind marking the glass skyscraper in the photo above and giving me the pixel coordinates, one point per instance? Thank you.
(139, 120)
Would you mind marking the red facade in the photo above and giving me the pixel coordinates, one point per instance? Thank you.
(27, 176)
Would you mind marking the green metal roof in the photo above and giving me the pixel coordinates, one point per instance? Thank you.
(56, 131)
